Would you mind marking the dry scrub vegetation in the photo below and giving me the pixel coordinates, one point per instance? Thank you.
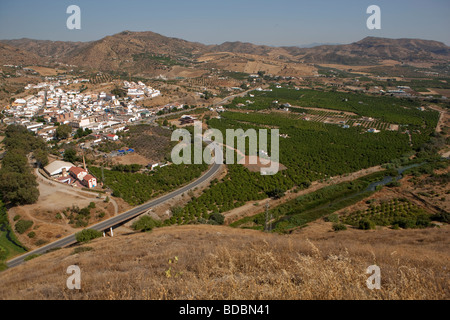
(214, 262)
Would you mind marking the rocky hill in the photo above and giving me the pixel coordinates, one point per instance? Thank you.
(46, 48)
(373, 50)
(149, 52)
(16, 56)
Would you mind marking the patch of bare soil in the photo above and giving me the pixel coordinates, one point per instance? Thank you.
(132, 158)
(255, 164)
(49, 222)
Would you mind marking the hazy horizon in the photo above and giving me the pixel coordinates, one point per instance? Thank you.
(281, 23)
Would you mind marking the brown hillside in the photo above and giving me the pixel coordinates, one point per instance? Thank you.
(213, 262)
(118, 52)
(15, 56)
(46, 48)
(373, 50)
(134, 52)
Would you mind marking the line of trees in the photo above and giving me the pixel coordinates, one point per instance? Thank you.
(18, 185)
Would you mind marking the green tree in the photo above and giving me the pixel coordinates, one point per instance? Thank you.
(217, 218)
(63, 131)
(19, 188)
(276, 193)
(15, 161)
(366, 224)
(70, 155)
(41, 157)
(145, 223)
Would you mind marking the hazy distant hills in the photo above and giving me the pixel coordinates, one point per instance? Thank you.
(373, 50)
(243, 47)
(17, 56)
(152, 52)
(46, 48)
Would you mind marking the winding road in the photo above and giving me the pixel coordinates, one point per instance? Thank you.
(119, 219)
(131, 214)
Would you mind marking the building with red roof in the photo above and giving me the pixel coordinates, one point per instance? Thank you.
(78, 173)
(89, 181)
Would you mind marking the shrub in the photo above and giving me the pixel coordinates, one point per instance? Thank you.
(31, 235)
(116, 194)
(332, 218)
(17, 217)
(23, 225)
(217, 218)
(276, 193)
(339, 227)
(40, 242)
(31, 257)
(91, 205)
(442, 217)
(366, 224)
(87, 235)
(422, 221)
(145, 223)
(85, 211)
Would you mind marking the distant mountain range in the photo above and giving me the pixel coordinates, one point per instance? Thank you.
(316, 44)
(138, 51)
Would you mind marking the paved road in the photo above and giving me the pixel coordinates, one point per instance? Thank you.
(114, 221)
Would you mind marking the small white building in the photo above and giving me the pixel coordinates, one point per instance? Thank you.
(112, 137)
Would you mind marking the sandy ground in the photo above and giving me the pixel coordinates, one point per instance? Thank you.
(444, 92)
(53, 199)
(132, 158)
(43, 71)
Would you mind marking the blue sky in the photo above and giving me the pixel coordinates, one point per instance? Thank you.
(275, 22)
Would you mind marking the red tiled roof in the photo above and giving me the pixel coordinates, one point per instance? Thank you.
(76, 170)
(88, 177)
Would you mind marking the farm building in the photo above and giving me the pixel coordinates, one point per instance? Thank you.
(56, 167)
(78, 173)
(89, 181)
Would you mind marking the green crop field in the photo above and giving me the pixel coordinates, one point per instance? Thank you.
(313, 151)
(396, 212)
(307, 208)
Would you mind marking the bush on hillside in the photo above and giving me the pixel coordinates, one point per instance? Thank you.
(87, 235)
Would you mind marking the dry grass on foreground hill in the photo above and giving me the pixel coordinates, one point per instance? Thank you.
(223, 263)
